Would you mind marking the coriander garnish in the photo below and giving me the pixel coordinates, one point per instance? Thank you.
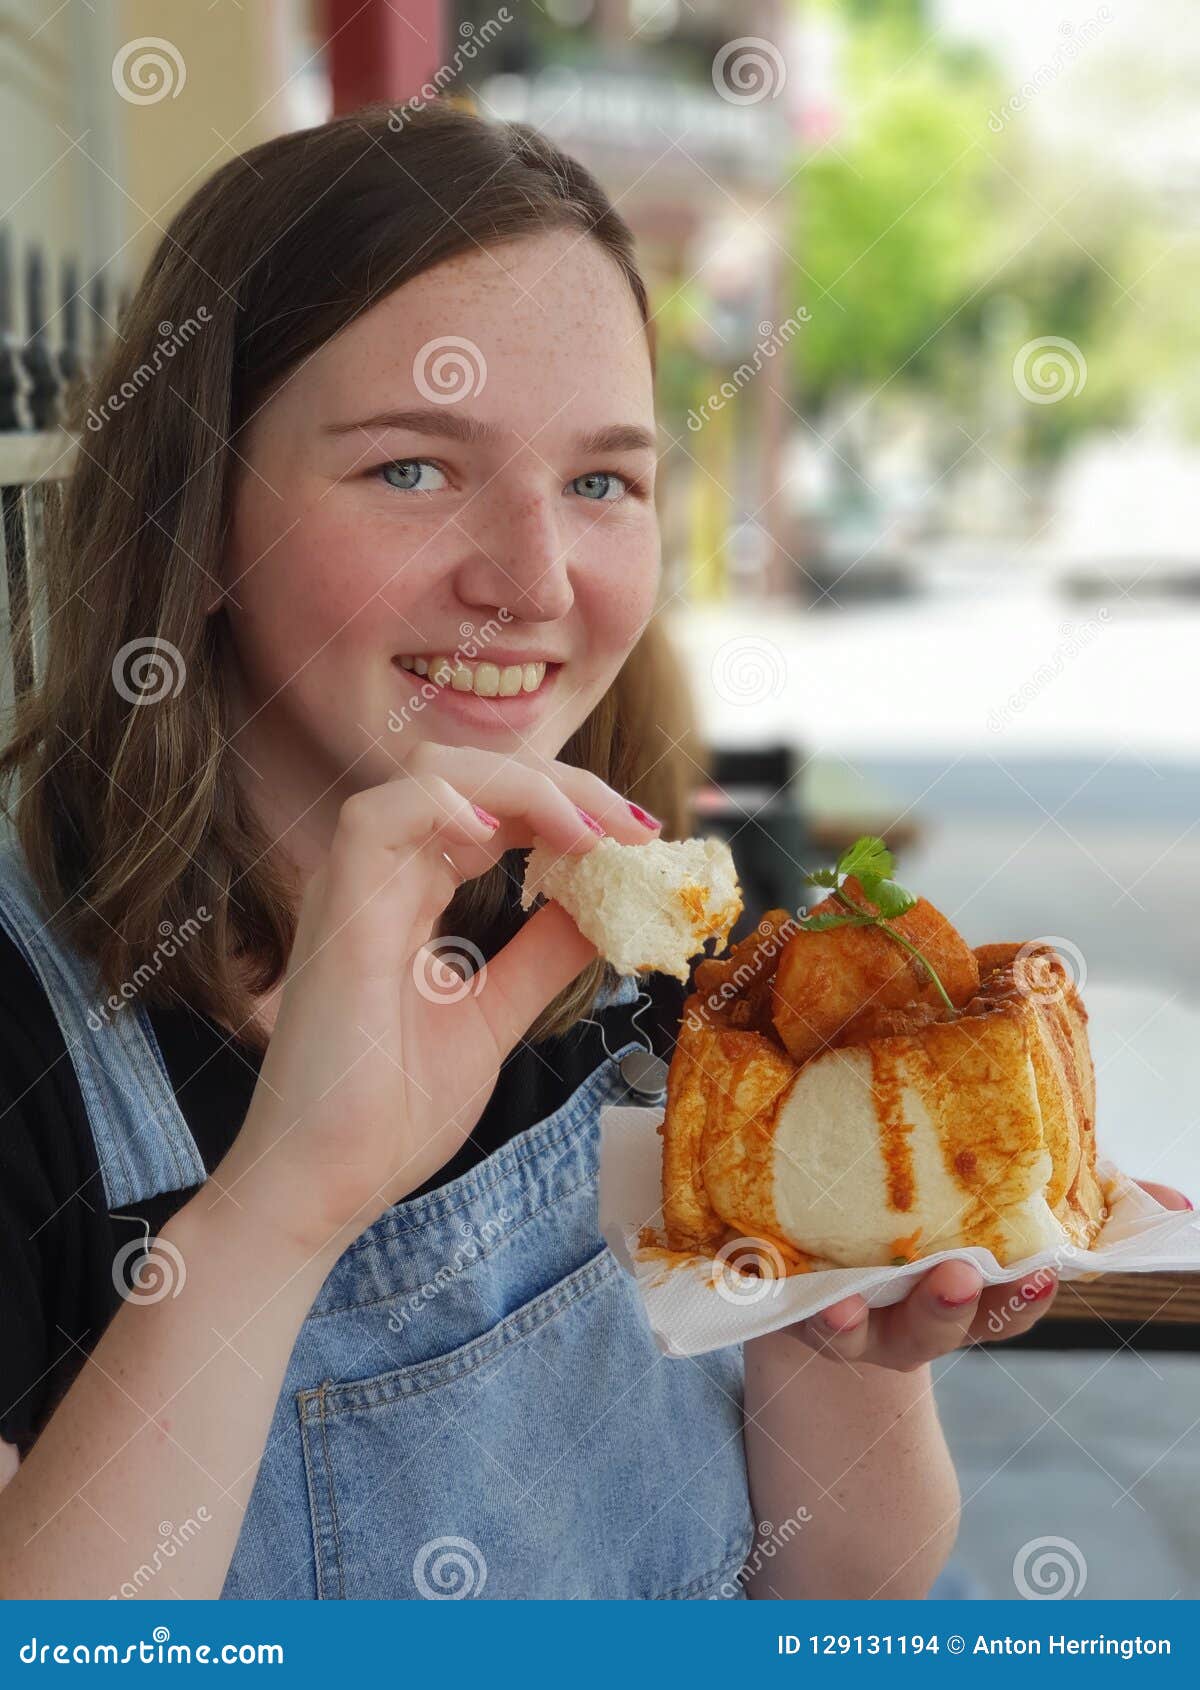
(871, 864)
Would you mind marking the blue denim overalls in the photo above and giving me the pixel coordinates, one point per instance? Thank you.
(474, 1405)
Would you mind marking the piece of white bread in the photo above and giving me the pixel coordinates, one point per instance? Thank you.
(922, 1129)
(646, 908)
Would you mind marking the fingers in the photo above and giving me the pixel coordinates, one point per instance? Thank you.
(1005, 1311)
(932, 1320)
(401, 849)
(374, 891)
(553, 799)
(545, 955)
(840, 1332)
(1166, 1195)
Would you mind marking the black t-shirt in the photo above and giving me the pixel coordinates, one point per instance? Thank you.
(58, 1240)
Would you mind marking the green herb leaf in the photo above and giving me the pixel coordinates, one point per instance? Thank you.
(822, 923)
(889, 899)
(871, 863)
(867, 856)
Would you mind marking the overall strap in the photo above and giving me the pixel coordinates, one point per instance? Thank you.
(143, 1143)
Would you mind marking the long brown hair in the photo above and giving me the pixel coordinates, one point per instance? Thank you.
(131, 817)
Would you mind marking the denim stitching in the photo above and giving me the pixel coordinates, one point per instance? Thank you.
(418, 1377)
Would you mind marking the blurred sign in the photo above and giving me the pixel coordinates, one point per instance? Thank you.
(644, 114)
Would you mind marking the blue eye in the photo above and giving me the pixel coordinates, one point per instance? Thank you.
(408, 473)
(600, 485)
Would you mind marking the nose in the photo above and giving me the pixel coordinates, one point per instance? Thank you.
(519, 558)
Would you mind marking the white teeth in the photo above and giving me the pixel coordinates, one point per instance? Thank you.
(486, 679)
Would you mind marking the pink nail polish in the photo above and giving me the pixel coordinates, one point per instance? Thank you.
(957, 1302)
(485, 816)
(591, 821)
(643, 816)
(1188, 1201)
(1032, 1293)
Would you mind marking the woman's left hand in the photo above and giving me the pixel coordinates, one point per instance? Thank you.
(949, 1306)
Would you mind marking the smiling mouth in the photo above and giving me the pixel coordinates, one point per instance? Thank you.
(487, 680)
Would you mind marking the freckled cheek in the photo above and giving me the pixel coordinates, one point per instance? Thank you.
(617, 599)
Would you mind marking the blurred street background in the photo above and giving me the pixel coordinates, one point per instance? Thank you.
(924, 275)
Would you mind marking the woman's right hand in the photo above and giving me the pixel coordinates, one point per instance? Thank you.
(382, 1059)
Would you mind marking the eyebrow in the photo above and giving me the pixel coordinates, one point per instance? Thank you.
(453, 425)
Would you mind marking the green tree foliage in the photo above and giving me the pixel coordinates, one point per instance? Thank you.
(931, 240)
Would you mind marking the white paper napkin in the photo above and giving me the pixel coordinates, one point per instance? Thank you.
(692, 1308)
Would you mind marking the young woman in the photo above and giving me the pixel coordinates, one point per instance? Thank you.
(351, 595)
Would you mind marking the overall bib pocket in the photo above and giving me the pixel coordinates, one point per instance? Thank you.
(558, 1455)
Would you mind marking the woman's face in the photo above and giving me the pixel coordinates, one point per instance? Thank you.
(478, 510)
